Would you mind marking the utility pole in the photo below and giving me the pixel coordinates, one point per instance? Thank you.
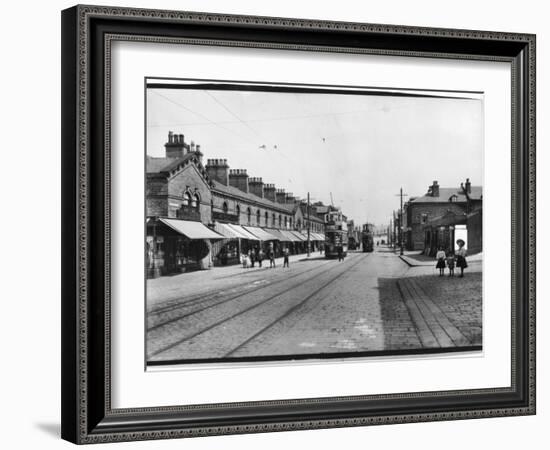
(308, 227)
(390, 233)
(400, 229)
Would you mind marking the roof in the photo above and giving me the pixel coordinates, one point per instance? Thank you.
(313, 211)
(446, 193)
(449, 218)
(266, 203)
(160, 165)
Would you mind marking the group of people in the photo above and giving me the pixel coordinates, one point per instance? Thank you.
(451, 259)
(257, 255)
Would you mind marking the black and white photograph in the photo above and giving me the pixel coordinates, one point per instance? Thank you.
(299, 222)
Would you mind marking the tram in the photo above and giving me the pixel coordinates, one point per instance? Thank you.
(367, 239)
(336, 235)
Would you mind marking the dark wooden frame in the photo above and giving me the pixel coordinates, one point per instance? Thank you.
(87, 32)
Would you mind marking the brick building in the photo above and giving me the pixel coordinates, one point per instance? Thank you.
(199, 215)
(438, 211)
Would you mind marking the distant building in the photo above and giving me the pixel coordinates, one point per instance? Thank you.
(431, 220)
(202, 215)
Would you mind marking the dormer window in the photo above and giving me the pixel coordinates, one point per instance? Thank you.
(453, 198)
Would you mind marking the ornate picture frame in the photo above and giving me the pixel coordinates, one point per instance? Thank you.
(88, 33)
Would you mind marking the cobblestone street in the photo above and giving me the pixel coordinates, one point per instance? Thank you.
(371, 302)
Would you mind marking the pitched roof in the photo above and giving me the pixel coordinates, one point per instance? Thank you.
(445, 195)
(266, 203)
(160, 165)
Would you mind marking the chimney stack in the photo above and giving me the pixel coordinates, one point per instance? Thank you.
(468, 186)
(290, 198)
(435, 189)
(269, 192)
(280, 196)
(238, 178)
(218, 170)
(175, 147)
(256, 186)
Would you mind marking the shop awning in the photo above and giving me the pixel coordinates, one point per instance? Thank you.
(261, 234)
(227, 231)
(278, 234)
(242, 232)
(299, 236)
(191, 230)
(290, 237)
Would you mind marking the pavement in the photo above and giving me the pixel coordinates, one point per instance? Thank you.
(415, 259)
(371, 302)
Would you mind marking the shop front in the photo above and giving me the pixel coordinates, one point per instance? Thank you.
(176, 246)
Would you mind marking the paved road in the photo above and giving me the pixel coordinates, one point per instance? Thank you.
(315, 306)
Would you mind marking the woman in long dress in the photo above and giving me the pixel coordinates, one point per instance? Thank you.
(461, 256)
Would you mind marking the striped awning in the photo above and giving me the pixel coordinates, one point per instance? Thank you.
(261, 234)
(290, 237)
(300, 237)
(226, 231)
(244, 234)
(278, 234)
(191, 230)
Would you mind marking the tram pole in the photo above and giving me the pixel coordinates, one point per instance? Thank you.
(400, 229)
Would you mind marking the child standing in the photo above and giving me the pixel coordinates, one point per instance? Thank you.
(440, 256)
(451, 264)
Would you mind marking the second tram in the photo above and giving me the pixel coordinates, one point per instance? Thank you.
(367, 239)
(336, 235)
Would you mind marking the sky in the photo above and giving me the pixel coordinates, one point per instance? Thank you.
(360, 148)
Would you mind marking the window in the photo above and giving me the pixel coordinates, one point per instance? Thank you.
(266, 219)
(186, 198)
(195, 201)
(225, 207)
(248, 215)
(258, 217)
(290, 223)
(423, 218)
(273, 220)
(238, 214)
(286, 222)
(280, 221)
(453, 198)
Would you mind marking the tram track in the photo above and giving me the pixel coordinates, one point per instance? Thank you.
(196, 300)
(279, 295)
(291, 310)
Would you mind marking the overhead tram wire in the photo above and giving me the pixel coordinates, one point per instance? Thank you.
(219, 102)
(273, 119)
(202, 117)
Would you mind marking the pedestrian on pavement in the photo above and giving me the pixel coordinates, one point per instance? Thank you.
(245, 260)
(461, 256)
(260, 256)
(285, 257)
(271, 256)
(340, 254)
(440, 256)
(451, 263)
(251, 255)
